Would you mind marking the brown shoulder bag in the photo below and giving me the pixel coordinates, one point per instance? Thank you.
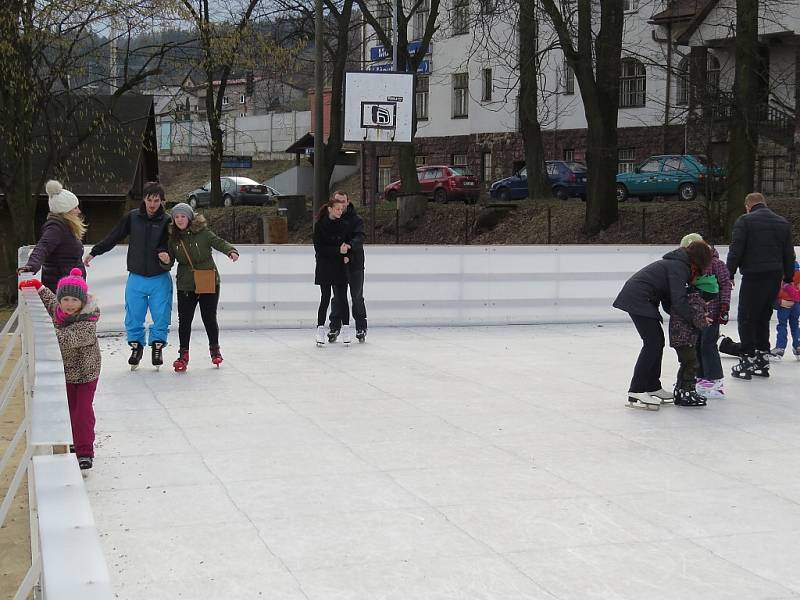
(205, 280)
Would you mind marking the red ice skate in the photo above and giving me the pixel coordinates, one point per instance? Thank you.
(181, 362)
(216, 356)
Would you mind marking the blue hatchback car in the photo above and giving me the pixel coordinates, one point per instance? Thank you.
(681, 175)
(567, 180)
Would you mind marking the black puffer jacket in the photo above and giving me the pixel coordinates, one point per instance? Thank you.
(57, 252)
(662, 282)
(329, 235)
(147, 236)
(761, 242)
(354, 236)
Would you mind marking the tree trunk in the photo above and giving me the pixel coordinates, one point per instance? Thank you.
(538, 186)
(216, 146)
(744, 132)
(601, 158)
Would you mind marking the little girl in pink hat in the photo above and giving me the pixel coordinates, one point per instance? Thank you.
(75, 316)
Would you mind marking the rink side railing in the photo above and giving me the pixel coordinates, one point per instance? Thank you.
(61, 523)
(273, 285)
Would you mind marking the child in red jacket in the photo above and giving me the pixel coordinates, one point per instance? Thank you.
(788, 314)
(75, 316)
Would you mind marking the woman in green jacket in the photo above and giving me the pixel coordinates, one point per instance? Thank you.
(190, 244)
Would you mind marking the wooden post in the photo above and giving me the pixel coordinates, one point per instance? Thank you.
(549, 225)
(396, 226)
(644, 230)
(466, 224)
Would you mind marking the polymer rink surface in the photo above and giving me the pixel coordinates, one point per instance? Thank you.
(493, 463)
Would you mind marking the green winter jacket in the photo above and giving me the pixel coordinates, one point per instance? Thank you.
(199, 240)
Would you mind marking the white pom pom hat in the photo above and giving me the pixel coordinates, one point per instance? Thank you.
(60, 200)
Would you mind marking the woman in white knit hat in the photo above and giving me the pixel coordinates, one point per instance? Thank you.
(60, 245)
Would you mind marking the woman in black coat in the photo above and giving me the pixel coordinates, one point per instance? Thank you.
(60, 246)
(662, 282)
(330, 273)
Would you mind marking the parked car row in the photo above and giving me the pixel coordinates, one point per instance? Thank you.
(681, 175)
(235, 191)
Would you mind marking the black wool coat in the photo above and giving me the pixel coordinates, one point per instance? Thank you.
(354, 236)
(57, 252)
(761, 242)
(662, 282)
(329, 235)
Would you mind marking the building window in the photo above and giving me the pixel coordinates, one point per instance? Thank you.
(241, 99)
(569, 79)
(486, 167)
(630, 5)
(460, 95)
(712, 74)
(487, 7)
(385, 19)
(419, 160)
(460, 17)
(459, 160)
(486, 93)
(225, 100)
(421, 96)
(682, 83)
(384, 172)
(626, 160)
(632, 83)
(569, 154)
(421, 19)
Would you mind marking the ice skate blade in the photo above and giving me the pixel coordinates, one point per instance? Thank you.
(134, 367)
(642, 406)
(320, 344)
(764, 374)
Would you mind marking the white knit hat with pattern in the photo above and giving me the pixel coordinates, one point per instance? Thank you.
(60, 200)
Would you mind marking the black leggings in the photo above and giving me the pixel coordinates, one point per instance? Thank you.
(339, 291)
(187, 303)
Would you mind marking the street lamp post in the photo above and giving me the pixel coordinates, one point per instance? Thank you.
(320, 185)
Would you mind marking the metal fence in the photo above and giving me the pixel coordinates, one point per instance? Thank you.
(61, 522)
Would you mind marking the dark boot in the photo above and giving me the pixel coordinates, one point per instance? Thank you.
(743, 370)
(761, 364)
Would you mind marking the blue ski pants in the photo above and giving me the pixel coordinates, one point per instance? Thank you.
(143, 294)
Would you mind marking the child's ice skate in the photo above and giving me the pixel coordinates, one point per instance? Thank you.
(216, 355)
(663, 395)
(361, 335)
(182, 362)
(688, 398)
(643, 400)
(777, 353)
(761, 364)
(137, 350)
(320, 335)
(333, 334)
(796, 352)
(744, 369)
(346, 336)
(158, 354)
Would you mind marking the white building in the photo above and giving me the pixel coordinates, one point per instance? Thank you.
(468, 85)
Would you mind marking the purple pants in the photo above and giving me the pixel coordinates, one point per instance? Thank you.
(81, 415)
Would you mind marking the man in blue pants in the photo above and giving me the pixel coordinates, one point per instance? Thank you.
(149, 285)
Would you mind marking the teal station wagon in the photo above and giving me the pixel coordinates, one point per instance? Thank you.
(682, 175)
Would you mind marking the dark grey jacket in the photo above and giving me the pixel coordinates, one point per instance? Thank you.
(761, 242)
(57, 252)
(147, 236)
(354, 237)
(662, 282)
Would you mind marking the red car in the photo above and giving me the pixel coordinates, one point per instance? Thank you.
(442, 183)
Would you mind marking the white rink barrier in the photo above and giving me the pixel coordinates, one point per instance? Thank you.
(273, 285)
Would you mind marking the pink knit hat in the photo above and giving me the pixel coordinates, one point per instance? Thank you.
(73, 285)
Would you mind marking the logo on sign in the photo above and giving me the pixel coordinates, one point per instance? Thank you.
(378, 115)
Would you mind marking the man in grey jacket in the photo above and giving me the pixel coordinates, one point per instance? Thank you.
(761, 248)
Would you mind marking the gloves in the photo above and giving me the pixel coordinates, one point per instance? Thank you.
(723, 314)
(34, 283)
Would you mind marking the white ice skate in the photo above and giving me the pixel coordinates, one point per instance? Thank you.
(643, 400)
(320, 336)
(346, 334)
(663, 395)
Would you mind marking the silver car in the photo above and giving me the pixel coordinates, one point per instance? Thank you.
(235, 191)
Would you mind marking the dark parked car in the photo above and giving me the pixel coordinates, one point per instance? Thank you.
(682, 175)
(567, 180)
(441, 183)
(235, 191)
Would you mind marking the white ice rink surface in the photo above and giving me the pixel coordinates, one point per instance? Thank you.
(492, 463)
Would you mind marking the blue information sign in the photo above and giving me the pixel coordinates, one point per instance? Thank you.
(237, 162)
(382, 53)
(424, 67)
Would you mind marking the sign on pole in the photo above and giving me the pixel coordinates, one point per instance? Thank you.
(378, 107)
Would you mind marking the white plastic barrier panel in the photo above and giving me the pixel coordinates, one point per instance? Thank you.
(273, 285)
